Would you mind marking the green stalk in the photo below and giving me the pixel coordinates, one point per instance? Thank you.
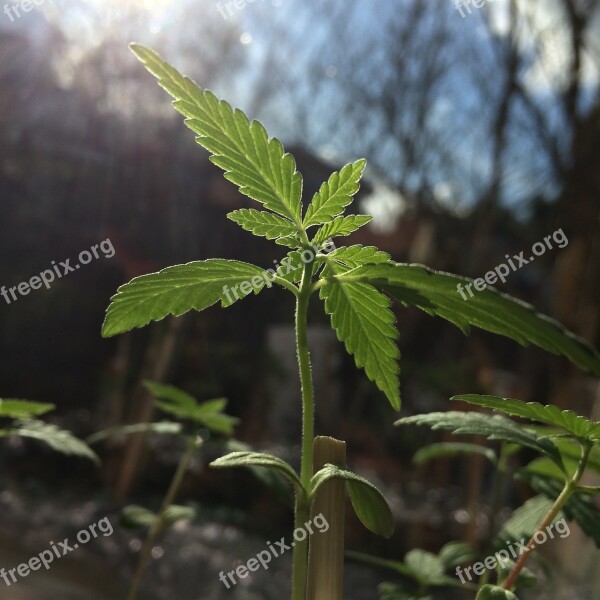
(159, 524)
(302, 508)
(563, 498)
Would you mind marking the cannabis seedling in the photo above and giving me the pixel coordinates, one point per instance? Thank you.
(355, 283)
(209, 417)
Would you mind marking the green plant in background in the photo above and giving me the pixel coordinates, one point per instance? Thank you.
(197, 418)
(19, 416)
(356, 285)
(568, 444)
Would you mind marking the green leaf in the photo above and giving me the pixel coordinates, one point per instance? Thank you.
(17, 409)
(184, 406)
(428, 566)
(273, 479)
(454, 554)
(340, 227)
(176, 290)
(580, 507)
(138, 517)
(256, 459)
(494, 592)
(493, 427)
(390, 591)
(368, 502)
(452, 449)
(163, 427)
(362, 319)
(526, 578)
(58, 439)
(257, 164)
(436, 293)
(358, 255)
(263, 223)
(392, 565)
(335, 194)
(525, 520)
(568, 420)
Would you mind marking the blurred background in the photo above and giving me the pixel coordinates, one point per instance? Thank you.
(481, 127)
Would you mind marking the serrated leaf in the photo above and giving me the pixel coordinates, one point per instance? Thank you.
(176, 290)
(568, 420)
(256, 459)
(290, 241)
(17, 409)
(340, 227)
(525, 520)
(291, 266)
(445, 449)
(436, 293)
(362, 319)
(163, 427)
(262, 223)
(335, 194)
(454, 554)
(492, 427)
(257, 164)
(358, 255)
(494, 592)
(368, 502)
(58, 439)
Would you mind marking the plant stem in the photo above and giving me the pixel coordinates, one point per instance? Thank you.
(159, 524)
(302, 508)
(558, 505)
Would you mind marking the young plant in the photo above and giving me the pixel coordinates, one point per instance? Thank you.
(20, 414)
(197, 418)
(566, 442)
(356, 285)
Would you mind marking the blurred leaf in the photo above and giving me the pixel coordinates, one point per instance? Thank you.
(525, 520)
(58, 439)
(493, 427)
(428, 566)
(390, 591)
(454, 554)
(184, 406)
(257, 164)
(579, 506)
(17, 409)
(525, 579)
(493, 592)
(255, 459)
(445, 449)
(568, 420)
(368, 502)
(163, 427)
(138, 517)
(179, 289)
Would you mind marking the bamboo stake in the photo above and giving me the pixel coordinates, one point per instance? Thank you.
(326, 555)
